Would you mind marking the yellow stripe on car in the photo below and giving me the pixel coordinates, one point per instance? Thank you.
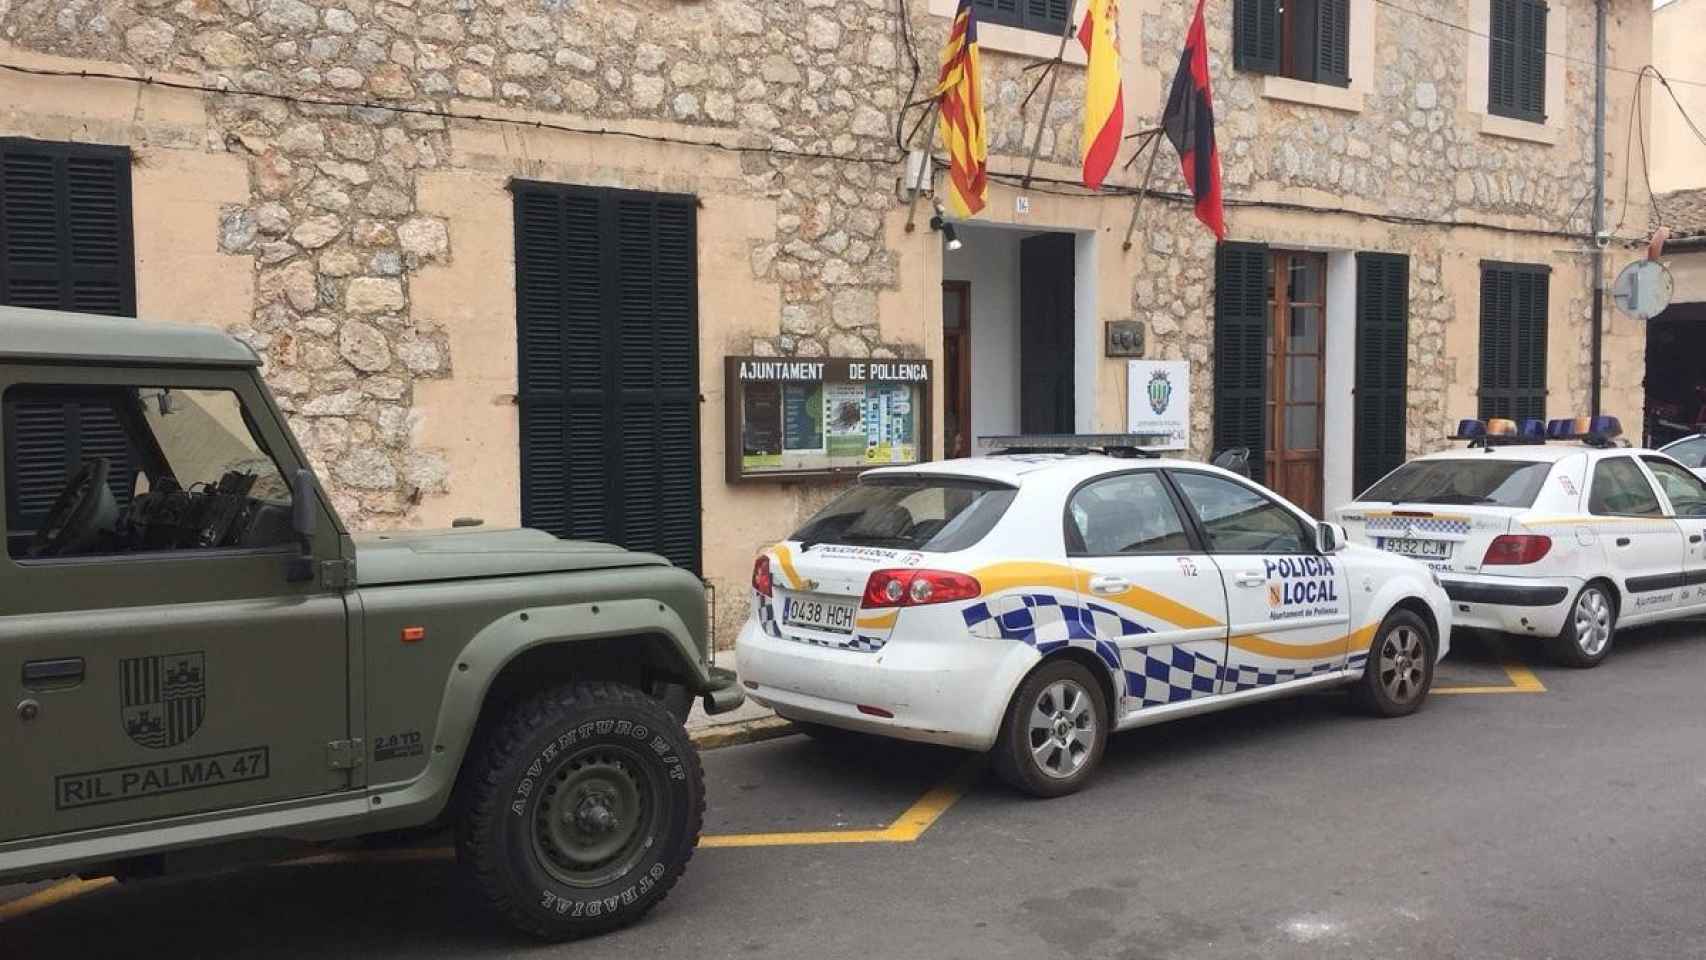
(785, 559)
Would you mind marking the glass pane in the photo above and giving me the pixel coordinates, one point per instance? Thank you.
(1502, 483)
(1620, 489)
(1306, 280)
(1237, 519)
(1686, 492)
(953, 307)
(1303, 379)
(1305, 333)
(1127, 514)
(910, 513)
(1303, 427)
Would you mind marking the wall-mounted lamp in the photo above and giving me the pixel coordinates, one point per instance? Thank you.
(948, 231)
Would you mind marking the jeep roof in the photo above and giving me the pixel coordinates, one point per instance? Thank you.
(51, 335)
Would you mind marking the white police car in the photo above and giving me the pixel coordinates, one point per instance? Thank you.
(1690, 452)
(1035, 601)
(1565, 541)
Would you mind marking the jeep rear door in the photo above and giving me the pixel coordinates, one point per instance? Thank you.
(152, 683)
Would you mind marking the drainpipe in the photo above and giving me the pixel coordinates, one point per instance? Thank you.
(1599, 240)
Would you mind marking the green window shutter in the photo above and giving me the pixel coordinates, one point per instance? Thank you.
(1255, 36)
(1382, 366)
(1240, 351)
(1531, 60)
(65, 244)
(1516, 60)
(1514, 300)
(607, 334)
(1333, 42)
(1502, 53)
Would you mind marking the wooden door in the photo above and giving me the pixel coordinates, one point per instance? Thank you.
(956, 369)
(1296, 349)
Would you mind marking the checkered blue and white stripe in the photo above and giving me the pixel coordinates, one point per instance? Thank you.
(1153, 676)
(1378, 525)
(768, 624)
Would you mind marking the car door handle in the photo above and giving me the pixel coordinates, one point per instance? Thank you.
(1623, 541)
(1109, 585)
(1694, 539)
(1250, 578)
(49, 674)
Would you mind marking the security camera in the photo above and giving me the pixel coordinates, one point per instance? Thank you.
(1602, 238)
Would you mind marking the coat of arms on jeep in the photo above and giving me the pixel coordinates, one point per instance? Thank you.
(163, 699)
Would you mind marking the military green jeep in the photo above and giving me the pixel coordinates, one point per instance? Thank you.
(204, 665)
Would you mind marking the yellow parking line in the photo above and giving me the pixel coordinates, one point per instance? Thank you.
(58, 893)
(1522, 680)
(906, 828)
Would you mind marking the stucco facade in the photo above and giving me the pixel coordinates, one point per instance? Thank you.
(368, 252)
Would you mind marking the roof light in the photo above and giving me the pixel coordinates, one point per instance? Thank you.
(1469, 430)
(1532, 429)
(1605, 426)
(1500, 427)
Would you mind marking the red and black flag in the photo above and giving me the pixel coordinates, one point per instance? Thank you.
(1189, 122)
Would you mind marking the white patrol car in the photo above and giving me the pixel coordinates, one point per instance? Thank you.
(1565, 541)
(1035, 601)
(1690, 452)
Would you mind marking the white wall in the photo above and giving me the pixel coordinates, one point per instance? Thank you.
(1339, 442)
(990, 262)
(1086, 339)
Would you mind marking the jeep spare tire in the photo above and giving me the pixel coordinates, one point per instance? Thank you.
(583, 812)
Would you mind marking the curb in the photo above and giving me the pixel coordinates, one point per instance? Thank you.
(735, 734)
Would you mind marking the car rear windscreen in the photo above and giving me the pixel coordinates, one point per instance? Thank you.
(1496, 483)
(910, 513)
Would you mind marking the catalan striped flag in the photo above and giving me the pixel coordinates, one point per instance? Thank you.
(962, 125)
(1104, 98)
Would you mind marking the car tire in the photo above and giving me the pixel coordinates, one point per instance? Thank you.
(637, 791)
(1055, 731)
(1400, 669)
(1589, 628)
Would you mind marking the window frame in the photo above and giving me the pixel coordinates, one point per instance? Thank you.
(1021, 17)
(1277, 55)
(1658, 498)
(1509, 390)
(1648, 460)
(1527, 62)
(1306, 527)
(1076, 549)
(285, 458)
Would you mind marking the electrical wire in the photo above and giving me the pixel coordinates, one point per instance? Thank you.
(419, 111)
(1492, 39)
(1107, 190)
(905, 36)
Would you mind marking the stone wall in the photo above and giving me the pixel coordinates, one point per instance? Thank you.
(811, 90)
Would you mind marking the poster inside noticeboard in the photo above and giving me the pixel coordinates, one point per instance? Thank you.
(790, 418)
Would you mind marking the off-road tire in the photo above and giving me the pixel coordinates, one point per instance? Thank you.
(1014, 759)
(603, 739)
(1389, 686)
(1568, 647)
(676, 698)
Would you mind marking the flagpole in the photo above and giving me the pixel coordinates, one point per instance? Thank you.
(924, 164)
(1048, 98)
(1153, 145)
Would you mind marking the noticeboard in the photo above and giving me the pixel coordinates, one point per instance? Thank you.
(794, 418)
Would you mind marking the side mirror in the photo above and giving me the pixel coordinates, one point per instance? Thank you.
(1329, 537)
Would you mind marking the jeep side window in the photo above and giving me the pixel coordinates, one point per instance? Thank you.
(97, 470)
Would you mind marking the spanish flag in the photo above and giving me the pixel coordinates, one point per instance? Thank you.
(1104, 101)
(962, 125)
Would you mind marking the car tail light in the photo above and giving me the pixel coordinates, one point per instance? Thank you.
(1514, 550)
(761, 575)
(912, 588)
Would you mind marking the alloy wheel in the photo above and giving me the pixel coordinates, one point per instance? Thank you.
(1403, 664)
(1062, 729)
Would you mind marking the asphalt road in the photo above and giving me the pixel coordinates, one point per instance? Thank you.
(1564, 824)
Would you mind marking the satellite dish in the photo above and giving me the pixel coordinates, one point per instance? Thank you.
(1643, 289)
